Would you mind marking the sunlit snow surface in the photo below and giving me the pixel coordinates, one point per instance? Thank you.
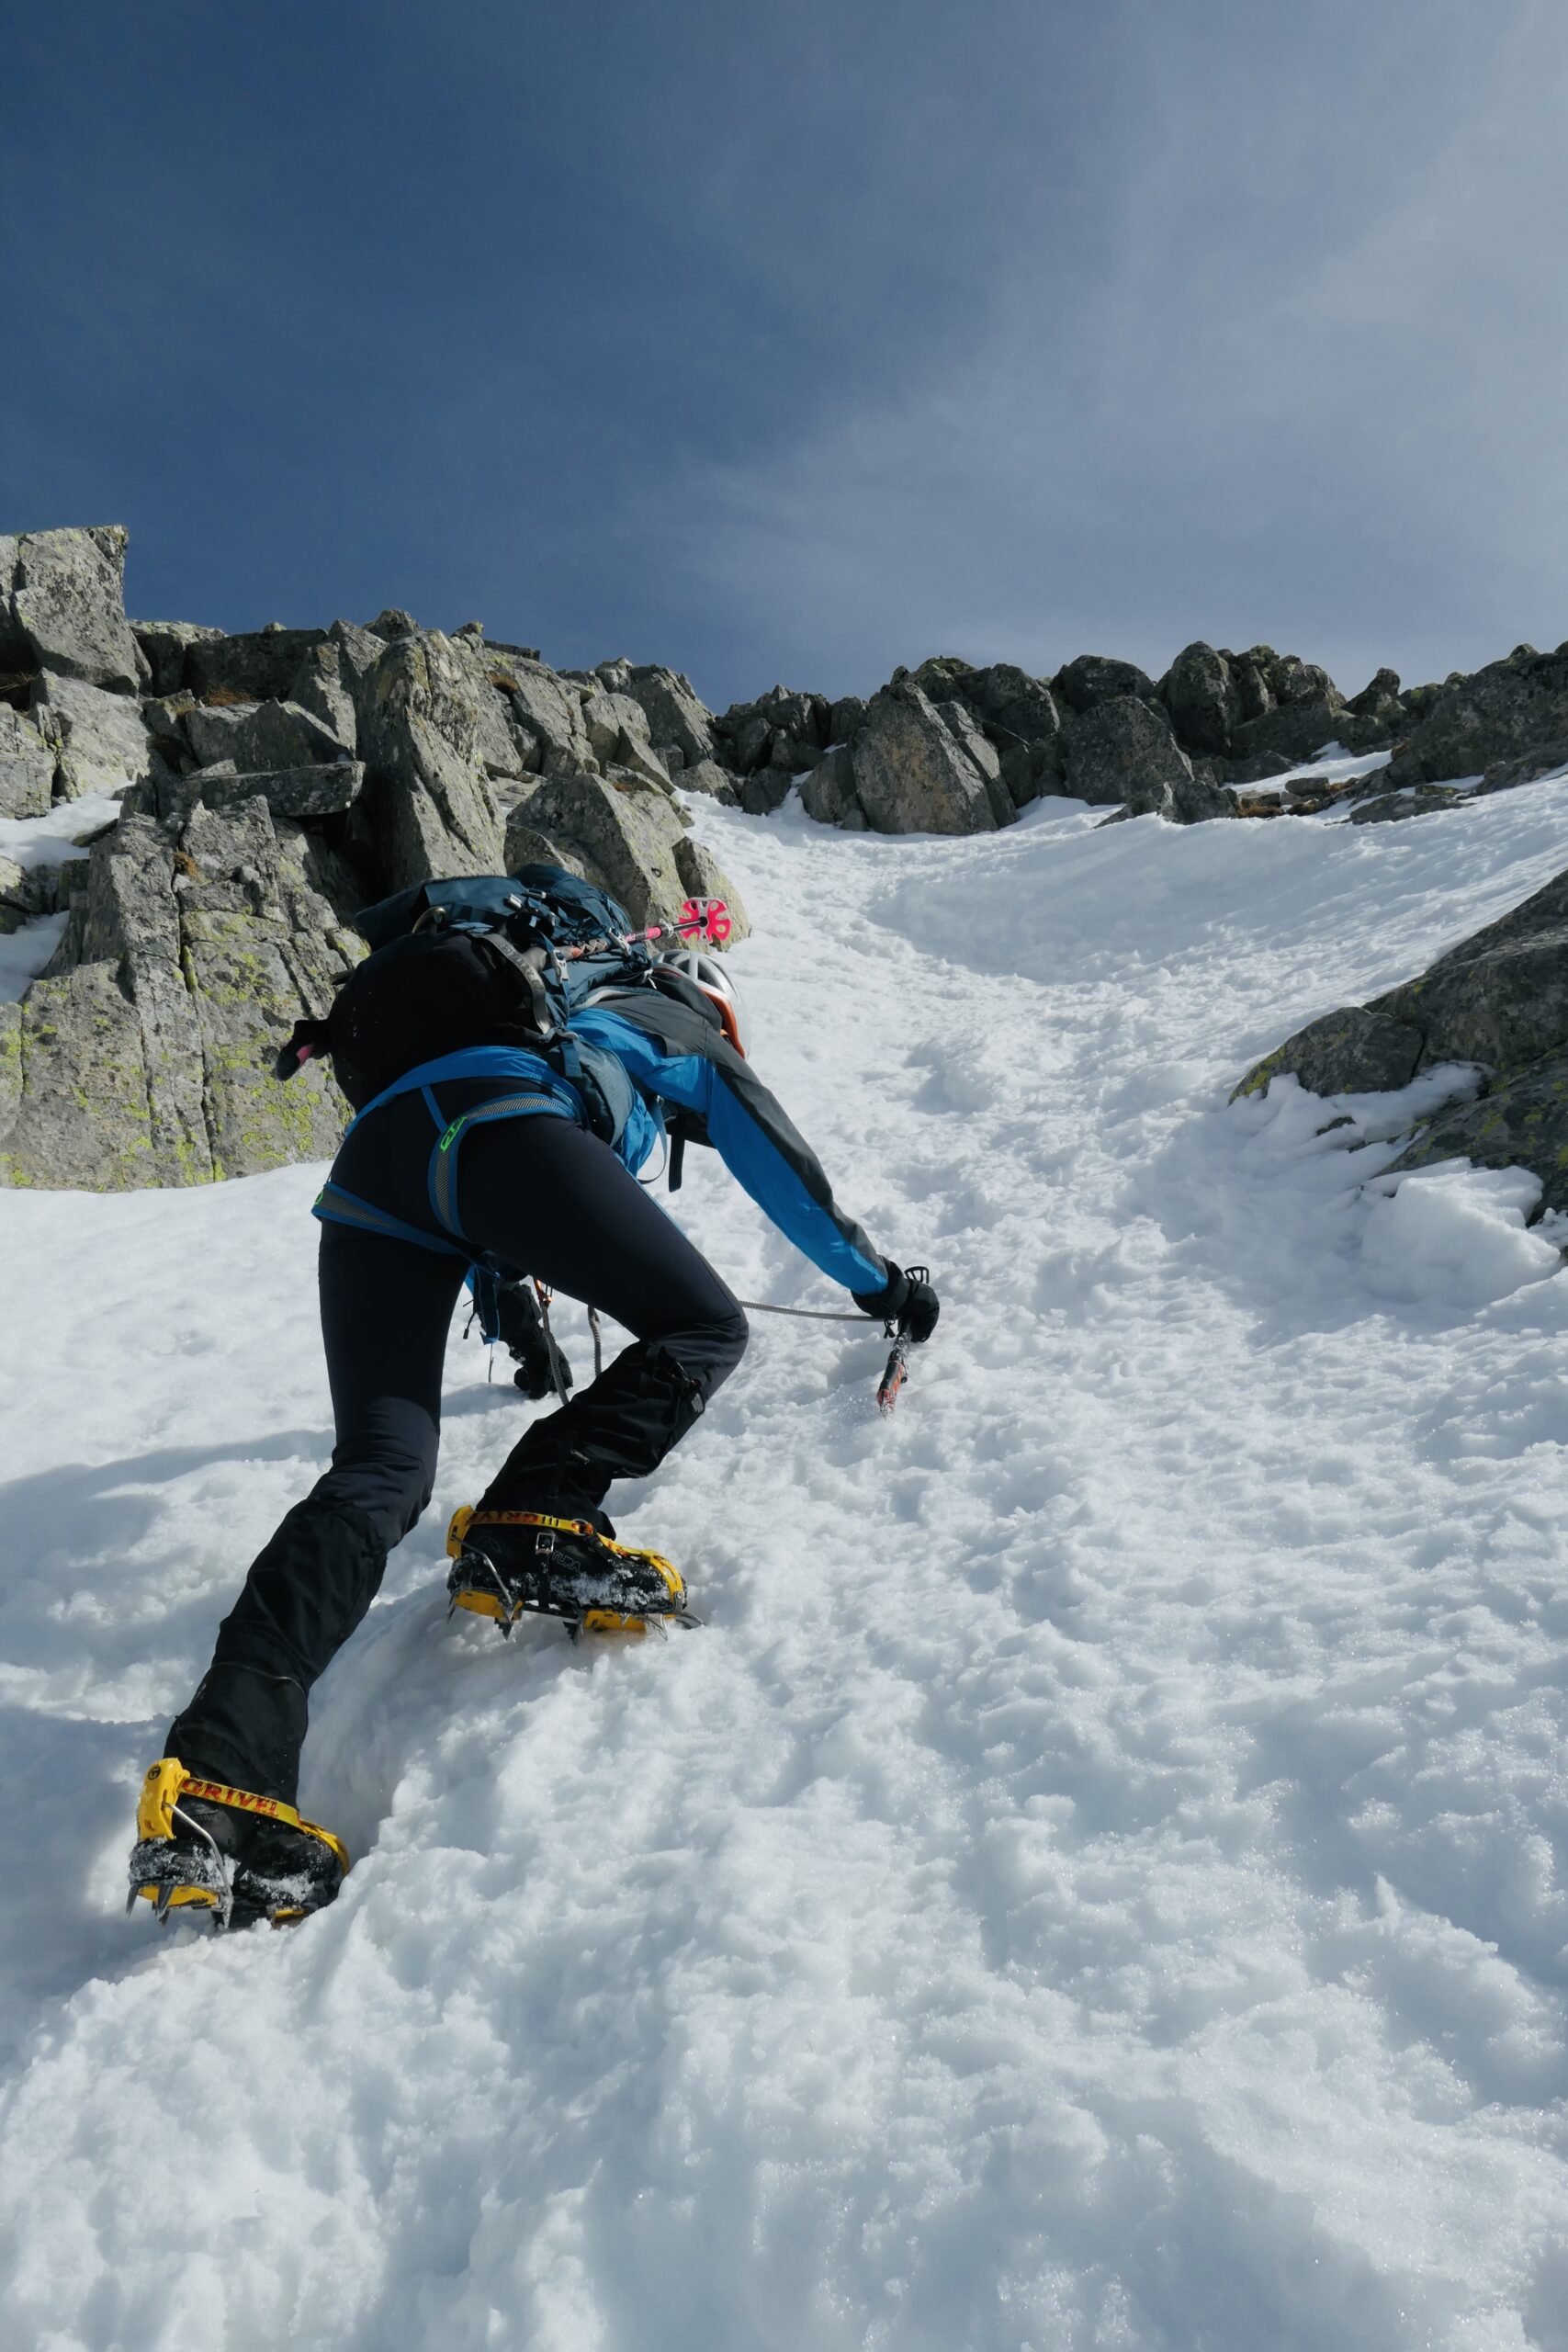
(1095, 1881)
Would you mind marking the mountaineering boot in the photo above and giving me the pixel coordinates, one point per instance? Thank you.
(203, 1845)
(515, 1563)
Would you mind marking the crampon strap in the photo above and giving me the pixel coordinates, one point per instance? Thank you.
(168, 1781)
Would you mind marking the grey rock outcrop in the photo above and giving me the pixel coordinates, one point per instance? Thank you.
(27, 766)
(1497, 1002)
(1194, 799)
(1018, 715)
(164, 645)
(324, 685)
(326, 790)
(140, 1055)
(426, 806)
(674, 712)
(829, 792)
(63, 606)
(782, 730)
(1502, 712)
(1095, 678)
(1201, 696)
(257, 665)
(1119, 748)
(260, 735)
(913, 774)
(26, 892)
(101, 740)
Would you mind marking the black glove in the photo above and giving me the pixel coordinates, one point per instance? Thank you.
(907, 1299)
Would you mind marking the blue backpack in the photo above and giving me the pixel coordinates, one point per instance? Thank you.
(539, 907)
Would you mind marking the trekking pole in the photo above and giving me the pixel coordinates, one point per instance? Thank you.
(709, 917)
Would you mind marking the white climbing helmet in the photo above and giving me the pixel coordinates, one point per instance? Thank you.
(708, 974)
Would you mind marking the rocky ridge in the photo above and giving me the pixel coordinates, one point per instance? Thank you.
(272, 783)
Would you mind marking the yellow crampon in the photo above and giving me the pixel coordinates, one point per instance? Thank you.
(485, 1603)
(167, 1782)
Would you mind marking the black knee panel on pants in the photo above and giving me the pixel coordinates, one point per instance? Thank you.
(620, 1428)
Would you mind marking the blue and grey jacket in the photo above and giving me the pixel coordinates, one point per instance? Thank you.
(634, 1057)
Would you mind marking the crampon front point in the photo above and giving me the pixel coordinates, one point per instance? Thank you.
(535, 1565)
(205, 1847)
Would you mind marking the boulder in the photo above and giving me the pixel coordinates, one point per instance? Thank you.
(27, 766)
(549, 712)
(1195, 800)
(102, 740)
(1504, 712)
(260, 736)
(1358, 1050)
(142, 1056)
(1502, 775)
(913, 774)
(324, 685)
(628, 836)
(393, 623)
(941, 675)
(296, 793)
(259, 946)
(748, 731)
(26, 892)
(1094, 678)
(1379, 699)
(637, 758)
(63, 606)
(1523, 1123)
(1003, 697)
(1414, 801)
(1298, 731)
(673, 710)
(357, 651)
(981, 755)
(767, 790)
(1118, 748)
(426, 809)
(753, 742)
(164, 645)
(1500, 998)
(73, 1105)
(1201, 696)
(605, 719)
(1249, 675)
(846, 717)
(1027, 769)
(829, 792)
(259, 665)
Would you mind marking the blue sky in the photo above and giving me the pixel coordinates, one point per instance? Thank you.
(791, 343)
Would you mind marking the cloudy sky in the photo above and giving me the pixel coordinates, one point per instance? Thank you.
(794, 341)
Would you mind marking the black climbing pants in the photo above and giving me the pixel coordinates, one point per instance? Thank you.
(540, 1193)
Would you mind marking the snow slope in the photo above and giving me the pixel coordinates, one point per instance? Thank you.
(1096, 1881)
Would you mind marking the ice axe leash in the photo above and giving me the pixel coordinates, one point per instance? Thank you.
(897, 1370)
